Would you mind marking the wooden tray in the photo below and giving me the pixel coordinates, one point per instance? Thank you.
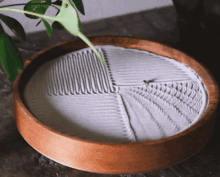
(113, 158)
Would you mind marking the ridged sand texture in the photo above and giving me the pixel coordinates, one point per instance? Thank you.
(138, 96)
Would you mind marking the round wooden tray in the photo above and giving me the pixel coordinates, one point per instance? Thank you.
(114, 158)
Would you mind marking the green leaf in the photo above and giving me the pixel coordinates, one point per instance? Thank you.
(79, 6)
(47, 26)
(68, 17)
(57, 26)
(37, 6)
(79, 23)
(14, 25)
(10, 56)
(1, 29)
(59, 3)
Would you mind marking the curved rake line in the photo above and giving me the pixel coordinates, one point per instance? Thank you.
(99, 82)
(79, 59)
(107, 84)
(102, 81)
(177, 89)
(193, 84)
(143, 128)
(184, 93)
(161, 110)
(125, 112)
(173, 106)
(87, 73)
(108, 67)
(187, 105)
(61, 78)
(71, 71)
(65, 76)
(199, 103)
(80, 73)
(82, 67)
(75, 73)
(90, 62)
(107, 79)
(156, 123)
(54, 76)
(186, 83)
(97, 77)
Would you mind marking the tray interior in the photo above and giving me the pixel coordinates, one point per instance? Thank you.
(137, 96)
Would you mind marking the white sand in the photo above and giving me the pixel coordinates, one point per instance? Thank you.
(77, 95)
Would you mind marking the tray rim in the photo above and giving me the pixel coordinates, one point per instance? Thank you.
(208, 116)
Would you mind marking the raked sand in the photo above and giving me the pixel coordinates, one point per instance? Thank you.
(138, 96)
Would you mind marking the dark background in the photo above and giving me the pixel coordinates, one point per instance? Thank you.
(191, 26)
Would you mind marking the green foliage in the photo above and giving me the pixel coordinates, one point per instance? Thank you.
(58, 2)
(37, 6)
(66, 17)
(79, 22)
(57, 26)
(48, 27)
(14, 25)
(79, 5)
(10, 56)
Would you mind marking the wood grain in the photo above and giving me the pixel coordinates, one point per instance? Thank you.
(109, 157)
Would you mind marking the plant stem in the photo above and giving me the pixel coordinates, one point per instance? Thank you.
(30, 13)
(86, 40)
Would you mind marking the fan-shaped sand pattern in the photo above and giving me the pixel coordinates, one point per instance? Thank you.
(170, 112)
(139, 96)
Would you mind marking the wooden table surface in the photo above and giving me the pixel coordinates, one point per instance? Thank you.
(18, 159)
